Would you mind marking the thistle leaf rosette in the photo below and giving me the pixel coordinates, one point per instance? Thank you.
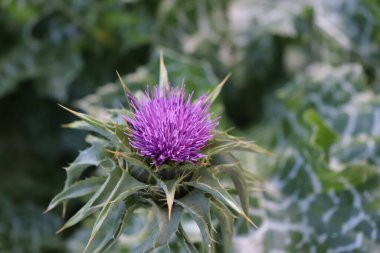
(165, 157)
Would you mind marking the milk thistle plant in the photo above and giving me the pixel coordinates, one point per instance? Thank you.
(163, 155)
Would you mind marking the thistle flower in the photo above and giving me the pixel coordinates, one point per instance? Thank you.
(164, 127)
(167, 126)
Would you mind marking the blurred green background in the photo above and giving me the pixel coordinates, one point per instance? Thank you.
(305, 84)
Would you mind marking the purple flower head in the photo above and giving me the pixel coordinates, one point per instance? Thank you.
(167, 126)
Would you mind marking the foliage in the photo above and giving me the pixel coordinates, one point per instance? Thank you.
(24, 229)
(58, 43)
(323, 188)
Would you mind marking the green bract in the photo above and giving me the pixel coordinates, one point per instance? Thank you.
(124, 185)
